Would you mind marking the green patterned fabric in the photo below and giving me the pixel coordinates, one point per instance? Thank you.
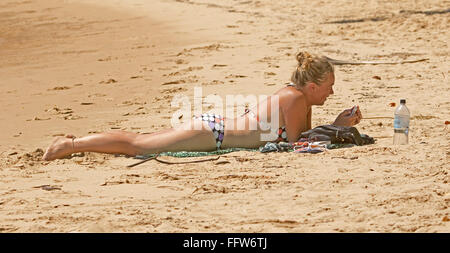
(182, 154)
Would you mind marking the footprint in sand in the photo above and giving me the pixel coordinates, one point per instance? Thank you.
(266, 59)
(235, 76)
(189, 79)
(109, 81)
(184, 71)
(66, 113)
(213, 82)
(47, 187)
(72, 117)
(269, 74)
(124, 179)
(423, 117)
(190, 69)
(219, 66)
(58, 111)
(38, 119)
(181, 61)
(109, 58)
(204, 49)
(141, 47)
(59, 88)
(139, 111)
(129, 103)
(174, 82)
(173, 188)
(173, 74)
(174, 90)
(242, 33)
(209, 188)
(78, 51)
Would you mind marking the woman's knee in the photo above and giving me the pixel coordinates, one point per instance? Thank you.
(145, 143)
(174, 140)
(127, 140)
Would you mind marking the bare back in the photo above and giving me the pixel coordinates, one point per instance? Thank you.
(293, 113)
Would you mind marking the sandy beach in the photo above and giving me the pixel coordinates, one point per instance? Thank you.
(84, 66)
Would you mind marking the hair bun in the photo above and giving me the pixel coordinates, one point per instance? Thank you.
(304, 59)
(310, 68)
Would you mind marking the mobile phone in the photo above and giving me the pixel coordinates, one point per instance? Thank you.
(354, 110)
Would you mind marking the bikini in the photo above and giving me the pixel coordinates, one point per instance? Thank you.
(216, 123)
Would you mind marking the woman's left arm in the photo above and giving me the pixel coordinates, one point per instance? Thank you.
(308, 119)
(295, 118)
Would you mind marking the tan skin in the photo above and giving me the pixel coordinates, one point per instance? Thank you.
(294, 113)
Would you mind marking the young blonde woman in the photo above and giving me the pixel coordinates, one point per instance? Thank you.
(311, 83)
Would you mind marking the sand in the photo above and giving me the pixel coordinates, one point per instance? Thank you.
(85, 67)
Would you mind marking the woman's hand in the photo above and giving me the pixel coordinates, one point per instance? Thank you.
(346, 119)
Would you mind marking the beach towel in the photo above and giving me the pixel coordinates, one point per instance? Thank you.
(182, 154)
(314, 141)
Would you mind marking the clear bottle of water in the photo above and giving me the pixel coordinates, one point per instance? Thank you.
(401, 123)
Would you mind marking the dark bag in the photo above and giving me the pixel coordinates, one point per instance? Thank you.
(337, 135)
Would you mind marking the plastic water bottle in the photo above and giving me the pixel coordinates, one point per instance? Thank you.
(401, 123)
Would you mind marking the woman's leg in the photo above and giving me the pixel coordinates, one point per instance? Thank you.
(121, 142)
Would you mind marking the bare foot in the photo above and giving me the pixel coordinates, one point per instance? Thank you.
(61, 147)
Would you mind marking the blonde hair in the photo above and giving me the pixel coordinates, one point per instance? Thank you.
(310, 68)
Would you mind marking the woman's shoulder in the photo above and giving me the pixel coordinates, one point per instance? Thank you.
(290, 98)
(290, 93)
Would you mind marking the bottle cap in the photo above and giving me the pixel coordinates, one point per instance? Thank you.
(402, 101)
